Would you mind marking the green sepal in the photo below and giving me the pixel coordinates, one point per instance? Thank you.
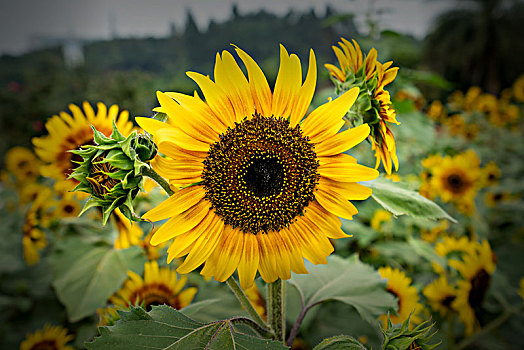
(116, 135)
(401, 338)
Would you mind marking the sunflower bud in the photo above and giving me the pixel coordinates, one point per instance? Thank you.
(111, 170)
(401, 338)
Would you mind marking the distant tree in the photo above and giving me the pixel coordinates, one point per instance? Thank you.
(478, 44)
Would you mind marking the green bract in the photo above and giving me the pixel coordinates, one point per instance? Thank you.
(401, 338)
(111, 170)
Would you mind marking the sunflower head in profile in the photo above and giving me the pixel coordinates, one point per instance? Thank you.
(407, 296)
(440, 294)
(262, 188)
(49, 338)
(68, 132)
(159, 286)
(110, 170)
(373, 105)
(476, 269)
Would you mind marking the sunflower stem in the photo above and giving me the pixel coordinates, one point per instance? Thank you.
(244, 301)
(149, 172)
(276, 309)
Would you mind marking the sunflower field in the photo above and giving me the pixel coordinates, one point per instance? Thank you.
(309, 201)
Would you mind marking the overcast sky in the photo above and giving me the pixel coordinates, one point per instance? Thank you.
(22, 21)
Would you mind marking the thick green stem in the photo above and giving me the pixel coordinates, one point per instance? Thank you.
(276, 308)
(149, 172)
(244, 301)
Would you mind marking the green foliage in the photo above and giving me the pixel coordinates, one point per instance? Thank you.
(166, 328)
(87, 274)
(401, 201)
(348, 281)
(341, 342)
(401, 338)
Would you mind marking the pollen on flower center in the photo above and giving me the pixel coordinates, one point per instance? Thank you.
(261, 174)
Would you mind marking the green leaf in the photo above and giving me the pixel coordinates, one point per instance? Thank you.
(340, 342)
(167, 328)
(349, 281)
(401, 201)
(86, 275)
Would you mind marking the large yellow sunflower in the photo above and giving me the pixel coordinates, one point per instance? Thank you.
(351, 60)
(68, 132)
(407, 296)
(264, 190)
(50, 338)
(158, 287)
(476, 269)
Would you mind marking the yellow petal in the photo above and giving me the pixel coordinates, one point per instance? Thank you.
(181, 223)
(249, 261)
(177, 203)
(305, 94)
(326, 120)
(348, 190)
(343, 141)
(347, 172)
(335, 204)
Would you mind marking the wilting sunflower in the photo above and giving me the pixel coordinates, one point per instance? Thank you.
(456, 179)
(23, 164)
(50, 338)
(158, 287)
(476, 269)
(68, 132)
(265, 189)
(407, 296)
(356, 69)
(440, 295)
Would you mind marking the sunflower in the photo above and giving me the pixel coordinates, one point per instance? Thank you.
(263, 190)
(152, 252)
(37, 217)
(380, 217)
(50, 338)
(493, 198)
(435, 232)
(158, 287)
(257, 300)
(68, 132)
(518, 89)
(452, 246)
(67, 207)
(407, 296)
(490, 174)
(353, 65)
(129, 234)
(456, 179)
(440, 295)
(436, 111)
(23, 164)
(476, 269)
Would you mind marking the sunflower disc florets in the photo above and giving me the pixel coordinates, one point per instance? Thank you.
(111, 170)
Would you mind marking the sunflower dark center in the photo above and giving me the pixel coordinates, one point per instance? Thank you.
(448, 300)
(264, 177)
(479, 287)
(45, 345)
(69, 208)
(261, 174)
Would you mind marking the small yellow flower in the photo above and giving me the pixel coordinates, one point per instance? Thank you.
(451, 246)
(493, 198)
(23, 164)
(158, 287)
(51, 337)
(380, 217)
(407, 296)
(518, 89)
(440, 295)
(129, 234)
(436, 111)
(435, 232)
